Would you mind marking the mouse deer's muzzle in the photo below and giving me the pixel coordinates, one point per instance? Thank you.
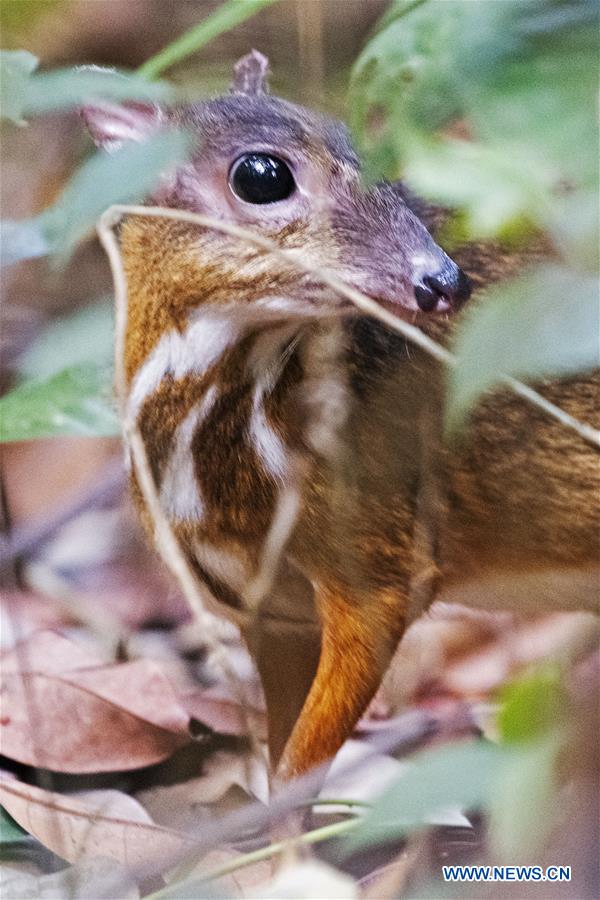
(389, 254)
(442, 289)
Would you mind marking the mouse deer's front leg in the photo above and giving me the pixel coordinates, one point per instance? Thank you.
(359, 636)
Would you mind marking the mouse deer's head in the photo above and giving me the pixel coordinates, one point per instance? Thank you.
(291, 175)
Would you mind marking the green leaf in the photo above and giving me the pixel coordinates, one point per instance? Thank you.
(520, 79)
(73, 402)
(124, 176)
(84, 337)
(10, 831)
(16, 67)
(462, 775)
(22, 240)
(65, 88)
(406, 78)
(26, 92)
(533, 705)
(545, 324)
(575, 228)
(223, 19)
(523, 808)
(479, 178)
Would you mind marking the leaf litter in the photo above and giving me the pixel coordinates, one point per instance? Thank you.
(154, 741)
(90, 714)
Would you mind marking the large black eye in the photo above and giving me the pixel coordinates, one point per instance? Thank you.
(260, 178)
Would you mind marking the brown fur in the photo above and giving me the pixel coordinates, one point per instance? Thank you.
(392, 515)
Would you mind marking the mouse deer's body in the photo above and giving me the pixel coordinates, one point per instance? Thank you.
(247, 376)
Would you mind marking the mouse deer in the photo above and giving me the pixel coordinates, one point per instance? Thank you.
(243, 372)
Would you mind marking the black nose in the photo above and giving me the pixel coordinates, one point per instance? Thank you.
(447, 288)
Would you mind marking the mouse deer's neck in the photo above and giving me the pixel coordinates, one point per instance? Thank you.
(215, 389)
(215, 348)
(222, 396)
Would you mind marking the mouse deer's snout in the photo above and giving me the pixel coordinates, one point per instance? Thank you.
(441, 288)
(263, 163)
(390, 255)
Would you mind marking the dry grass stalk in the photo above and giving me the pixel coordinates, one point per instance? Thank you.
(165, 540)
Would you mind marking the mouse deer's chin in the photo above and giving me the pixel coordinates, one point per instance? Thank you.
(316, 305)
(404, 306)
(397, 299)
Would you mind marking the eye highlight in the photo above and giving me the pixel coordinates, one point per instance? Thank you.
(261, 178)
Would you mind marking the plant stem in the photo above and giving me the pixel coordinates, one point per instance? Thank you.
(310, 837)
(249, 859)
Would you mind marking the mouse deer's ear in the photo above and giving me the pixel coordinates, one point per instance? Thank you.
(112, 125)
(250, 74)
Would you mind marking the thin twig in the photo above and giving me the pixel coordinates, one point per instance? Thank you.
(589, 434)
(165, 539)
(282, 524)
(406, 734)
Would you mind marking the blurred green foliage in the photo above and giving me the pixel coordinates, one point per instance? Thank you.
(514, 782)
(10, 831)
(73, 402)
(125, 176)
(445, 778)
(64, 380)
(546, 323)
(86, 336)
(16, 67)
(24, 92)
(534, 705)
(20, 16)
(491, 108)
(75, 399)
(521, 78)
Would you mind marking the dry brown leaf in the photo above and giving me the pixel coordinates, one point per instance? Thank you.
(91, 825)
(63, 711)
(449, 633)
(23, 612)
(223, 785)
(217, 708)
(49, 651)
(466, 653)
(560, 634)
